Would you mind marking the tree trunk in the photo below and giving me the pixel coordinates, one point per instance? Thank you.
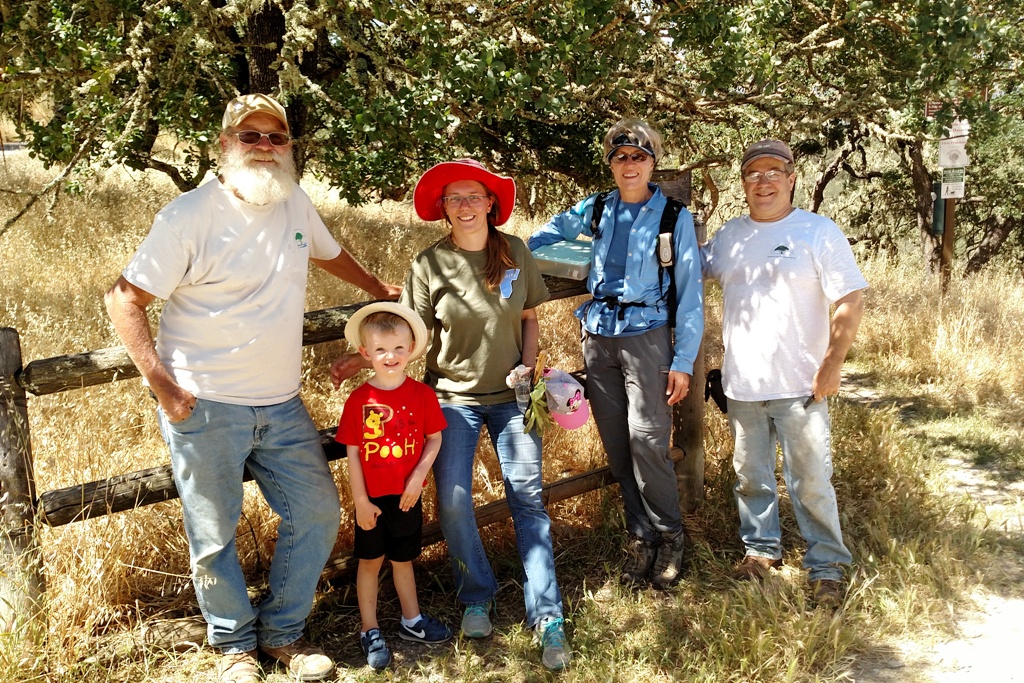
(997, 229)
(265, 30)
(931, 246)
(830, 172)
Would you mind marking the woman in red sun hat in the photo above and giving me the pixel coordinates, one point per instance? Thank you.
(477, 289)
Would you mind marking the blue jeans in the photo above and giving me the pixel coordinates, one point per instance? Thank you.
(805, 438)
(520, 458)
(279, 445)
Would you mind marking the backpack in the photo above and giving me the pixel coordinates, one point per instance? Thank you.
(665, 250)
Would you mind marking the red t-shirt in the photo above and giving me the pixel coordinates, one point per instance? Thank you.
(389, 427)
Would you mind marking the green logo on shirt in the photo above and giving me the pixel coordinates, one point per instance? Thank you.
(300, 241)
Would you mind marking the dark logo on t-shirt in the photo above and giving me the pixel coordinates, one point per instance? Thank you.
(781, 251)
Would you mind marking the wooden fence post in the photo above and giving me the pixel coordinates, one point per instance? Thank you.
(21, 575)
(688, 427)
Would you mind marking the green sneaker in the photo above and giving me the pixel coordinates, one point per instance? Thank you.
(556, 654)
(476, 621)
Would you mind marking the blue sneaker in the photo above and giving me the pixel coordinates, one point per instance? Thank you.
(376, 650)
(556, 654)
(426, 630)
(476, 621)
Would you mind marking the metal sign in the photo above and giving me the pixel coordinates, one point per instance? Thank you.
(953, 153)
(953, 183)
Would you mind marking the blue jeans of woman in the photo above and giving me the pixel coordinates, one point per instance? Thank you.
(520, 457)
(210, 450)
(805, 437)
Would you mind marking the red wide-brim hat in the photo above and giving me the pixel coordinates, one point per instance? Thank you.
(427, 195)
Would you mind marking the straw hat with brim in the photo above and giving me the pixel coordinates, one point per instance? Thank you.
(427, 195)
(420, 335)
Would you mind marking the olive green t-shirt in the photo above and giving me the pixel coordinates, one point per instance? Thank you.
(477, 334)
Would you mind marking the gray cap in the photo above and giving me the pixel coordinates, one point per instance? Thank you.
(767, 148)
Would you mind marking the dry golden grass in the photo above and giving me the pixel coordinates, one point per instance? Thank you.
(913, 549)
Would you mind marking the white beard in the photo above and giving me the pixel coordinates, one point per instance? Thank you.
(258, 183)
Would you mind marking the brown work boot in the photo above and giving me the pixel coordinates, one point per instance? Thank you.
(305, 662)
(639, 557)
(754, 568)
(238, 667)
(827, 593)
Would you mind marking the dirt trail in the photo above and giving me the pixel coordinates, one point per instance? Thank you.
(990, 629)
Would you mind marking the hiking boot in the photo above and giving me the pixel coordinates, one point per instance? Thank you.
(754, 568)
(305, 662)
(376, 650)
(639, 557)
(556, 654)
(427, 630)
(827, 593)
(238, 667)
(476, 621)
(668, 561)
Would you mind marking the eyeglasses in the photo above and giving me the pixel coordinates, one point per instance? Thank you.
(622, 157)
(455, 202)
(771, 176)
(254, 137)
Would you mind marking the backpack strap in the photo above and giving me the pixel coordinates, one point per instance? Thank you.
(595, 215)
(666, 253)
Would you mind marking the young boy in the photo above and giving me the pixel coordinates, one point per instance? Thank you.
(391, 426)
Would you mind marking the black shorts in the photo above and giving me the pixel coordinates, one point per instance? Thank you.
(398, 534)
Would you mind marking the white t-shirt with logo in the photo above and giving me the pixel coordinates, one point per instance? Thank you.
(234, 278)
(779, 280)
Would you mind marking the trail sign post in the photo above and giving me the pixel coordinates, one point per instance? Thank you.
(952, 160)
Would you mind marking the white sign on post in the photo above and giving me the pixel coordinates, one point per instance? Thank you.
(953, 147)
(953, 183)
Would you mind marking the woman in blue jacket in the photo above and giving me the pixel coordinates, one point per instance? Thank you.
(636, 370)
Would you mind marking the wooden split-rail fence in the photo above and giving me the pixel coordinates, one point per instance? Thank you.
(23, 510)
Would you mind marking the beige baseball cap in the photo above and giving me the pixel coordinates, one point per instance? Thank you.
(245, 105)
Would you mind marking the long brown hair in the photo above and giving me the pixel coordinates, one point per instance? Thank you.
(499, 252)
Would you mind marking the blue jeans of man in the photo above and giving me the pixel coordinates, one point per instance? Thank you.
(520, 457)
(280, 446)
(626, 382)
(805, 437)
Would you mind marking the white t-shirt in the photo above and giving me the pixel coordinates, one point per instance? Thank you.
(779, 280)
(234, 277)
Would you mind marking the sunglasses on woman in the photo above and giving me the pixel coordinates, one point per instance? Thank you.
(622, 157)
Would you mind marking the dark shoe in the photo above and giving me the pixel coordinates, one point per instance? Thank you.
(639, 558)
(668, 561)
(305, 662)
(754, 568)
(426, 630)
(376, 650)
(555, 652)
(827, 593)
(238, 667)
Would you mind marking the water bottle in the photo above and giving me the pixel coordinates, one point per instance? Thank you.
(522, 388)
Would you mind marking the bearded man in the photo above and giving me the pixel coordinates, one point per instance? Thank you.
(230, 260)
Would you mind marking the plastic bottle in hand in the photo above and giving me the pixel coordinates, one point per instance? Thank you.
(519, 379)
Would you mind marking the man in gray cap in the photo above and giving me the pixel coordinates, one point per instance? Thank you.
(781, 269)
(230, 259)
